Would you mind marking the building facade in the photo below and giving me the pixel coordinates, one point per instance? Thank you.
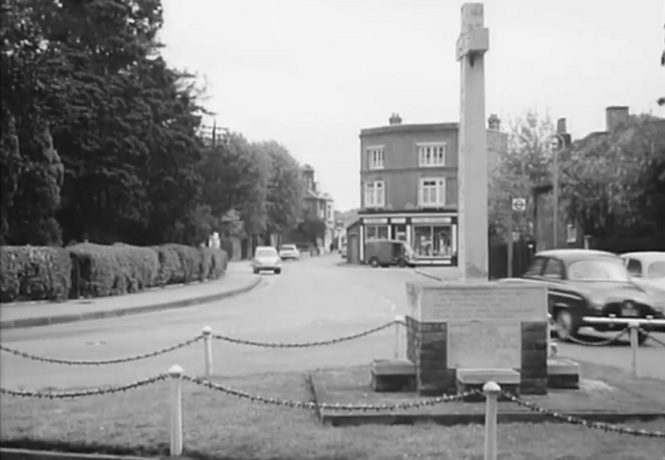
(409, 187)
(320, 205)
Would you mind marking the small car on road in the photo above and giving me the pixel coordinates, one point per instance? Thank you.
(266, 258)
(289, 252)
(584, 282)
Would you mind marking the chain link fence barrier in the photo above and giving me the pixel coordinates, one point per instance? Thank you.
(101, 362)
(319, 343)
(607, 427)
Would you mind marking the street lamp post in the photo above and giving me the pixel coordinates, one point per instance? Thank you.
(558, 144)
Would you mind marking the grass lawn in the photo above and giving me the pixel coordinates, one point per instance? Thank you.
(223, 427)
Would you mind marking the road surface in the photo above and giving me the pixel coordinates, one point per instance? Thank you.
(313, 299)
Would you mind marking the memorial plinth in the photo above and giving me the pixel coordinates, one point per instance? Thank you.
(482, 327)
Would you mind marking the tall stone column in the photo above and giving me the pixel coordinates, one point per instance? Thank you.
(472, 176)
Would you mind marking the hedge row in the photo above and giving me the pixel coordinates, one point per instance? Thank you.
(92, 270)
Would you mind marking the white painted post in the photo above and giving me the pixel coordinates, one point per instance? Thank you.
(491, 390)
(634, 327)
(207, 349)
(175, 372)
(399, 321)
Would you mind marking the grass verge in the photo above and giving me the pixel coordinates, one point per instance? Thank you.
(223, 427)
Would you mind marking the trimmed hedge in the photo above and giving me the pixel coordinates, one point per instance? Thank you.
(92, 270)
(34, 273)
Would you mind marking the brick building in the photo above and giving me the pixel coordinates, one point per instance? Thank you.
(409, 187)
(320, 205)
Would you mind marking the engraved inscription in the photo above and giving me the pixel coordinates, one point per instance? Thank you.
(483, 303)
(484, 345)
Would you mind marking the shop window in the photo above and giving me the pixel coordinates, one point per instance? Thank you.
(433, 241)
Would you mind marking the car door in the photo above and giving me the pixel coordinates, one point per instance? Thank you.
(560, 292)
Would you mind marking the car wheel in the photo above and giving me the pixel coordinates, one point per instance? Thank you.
(374, 262)
(401, 263)
(278, 271)
(565, 327)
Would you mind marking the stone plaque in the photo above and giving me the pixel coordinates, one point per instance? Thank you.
(484, 345)
(491, 301)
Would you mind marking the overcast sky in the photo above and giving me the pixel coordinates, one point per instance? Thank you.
(311, 74)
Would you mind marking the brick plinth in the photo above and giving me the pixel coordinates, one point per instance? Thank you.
(426, 348)
(534, 358)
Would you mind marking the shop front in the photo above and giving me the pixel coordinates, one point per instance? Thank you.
(432, 237)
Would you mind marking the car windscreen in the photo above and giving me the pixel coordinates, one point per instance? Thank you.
(598, 270)
(266, 253)
(287, 247)
(656, 269)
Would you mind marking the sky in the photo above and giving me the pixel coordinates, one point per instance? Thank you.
(310, 74)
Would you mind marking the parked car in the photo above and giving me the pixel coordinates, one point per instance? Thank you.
(647, 270)
(289, 252)
(267, 258)
(384, 253)
(583, 283)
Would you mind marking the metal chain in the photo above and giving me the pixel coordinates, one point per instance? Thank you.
(650, 335)
(82, 393)
(329, 406)
(601, 343)
(102, 362)
(304, 344)
(608, 427)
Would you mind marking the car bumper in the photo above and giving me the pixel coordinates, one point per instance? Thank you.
(267, 267)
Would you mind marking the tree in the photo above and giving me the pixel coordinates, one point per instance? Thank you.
(526, 163)
(31, 167)
(615, 182)
(285, 188)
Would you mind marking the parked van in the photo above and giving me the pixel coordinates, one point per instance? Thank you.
(384, 253)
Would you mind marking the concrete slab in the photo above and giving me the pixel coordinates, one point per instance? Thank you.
(482, 376)
(351, 386)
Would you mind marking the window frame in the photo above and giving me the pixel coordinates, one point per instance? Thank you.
(440, 192)
(373, 153)
(434, 161)
(375, 186)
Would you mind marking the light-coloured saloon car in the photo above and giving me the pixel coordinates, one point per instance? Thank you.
(647, 270)
(289, 252)
(267, 258)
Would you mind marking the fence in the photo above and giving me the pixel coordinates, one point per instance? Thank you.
(177, 376)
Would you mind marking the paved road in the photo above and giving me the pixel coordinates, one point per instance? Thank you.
(313, 299)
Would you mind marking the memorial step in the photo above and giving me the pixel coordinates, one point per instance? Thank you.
(563, 373)
(475, 379)
(393, 376)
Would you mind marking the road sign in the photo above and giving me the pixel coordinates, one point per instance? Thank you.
(519, 204)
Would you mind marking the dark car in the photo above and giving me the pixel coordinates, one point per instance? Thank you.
(584, 282)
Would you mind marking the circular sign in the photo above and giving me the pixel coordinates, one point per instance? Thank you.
(519, 204)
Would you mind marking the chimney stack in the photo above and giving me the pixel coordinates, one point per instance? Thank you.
(561, 126)
(494, 122)
(395, 119)
(615, 116)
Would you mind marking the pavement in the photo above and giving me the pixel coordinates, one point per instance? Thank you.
(236, 280)
(313, 299)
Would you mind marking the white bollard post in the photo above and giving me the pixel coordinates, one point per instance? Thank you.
(399, 321)
(175, 372)
(491, 390)
(634, 327)
(207, 349)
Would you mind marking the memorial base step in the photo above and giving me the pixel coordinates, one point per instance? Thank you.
(393, 376)
(563, 373)
(475, 379)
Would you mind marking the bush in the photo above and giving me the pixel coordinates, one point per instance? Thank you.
(170, 267)
(213, 264)
(34, 273)
(100, 271)
(190, 263)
